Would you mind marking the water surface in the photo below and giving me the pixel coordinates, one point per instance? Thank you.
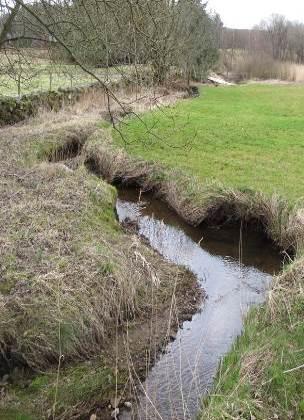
(233, 266)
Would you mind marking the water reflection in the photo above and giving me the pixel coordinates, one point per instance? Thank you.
(186, 371)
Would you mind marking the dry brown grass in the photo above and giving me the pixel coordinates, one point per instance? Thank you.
(261, 66)
(133, 100)
(286, 289)
(253, 365)
(64, 261)
(295, 72)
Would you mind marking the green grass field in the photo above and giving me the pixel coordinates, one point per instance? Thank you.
(244, 136)
(43, 76)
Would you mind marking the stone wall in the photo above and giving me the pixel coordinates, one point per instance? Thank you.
(13, 110)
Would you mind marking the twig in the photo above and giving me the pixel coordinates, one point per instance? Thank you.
(294, 369)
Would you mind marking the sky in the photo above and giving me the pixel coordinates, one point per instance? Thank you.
(244, 14)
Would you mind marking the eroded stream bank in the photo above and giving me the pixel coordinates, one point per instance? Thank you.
(234, 266)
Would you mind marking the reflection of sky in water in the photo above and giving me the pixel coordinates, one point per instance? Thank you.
(178, 380)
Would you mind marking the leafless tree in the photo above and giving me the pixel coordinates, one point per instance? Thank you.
(277, 29)
(142, 40)
(109, 33)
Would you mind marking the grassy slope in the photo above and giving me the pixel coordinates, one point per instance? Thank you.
(47, 197)
(244, 137)
(247, 137)
(68, 273)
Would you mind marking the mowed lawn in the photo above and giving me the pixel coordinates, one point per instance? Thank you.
(249, 136)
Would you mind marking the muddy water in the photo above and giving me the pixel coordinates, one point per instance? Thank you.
(234, 268)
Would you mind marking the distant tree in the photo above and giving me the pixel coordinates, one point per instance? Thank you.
(296, 41)
(9, 13)
(107, 33)
(277, 29)
(197, 39)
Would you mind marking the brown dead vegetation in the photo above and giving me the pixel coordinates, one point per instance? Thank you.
(240, 66)
(69, 275)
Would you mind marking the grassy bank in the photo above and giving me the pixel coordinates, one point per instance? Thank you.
(239, 147)
(243, 137)
(74, 286)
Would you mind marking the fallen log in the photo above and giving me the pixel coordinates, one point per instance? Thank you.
(217, 80)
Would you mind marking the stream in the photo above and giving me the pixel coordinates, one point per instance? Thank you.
(233, 266)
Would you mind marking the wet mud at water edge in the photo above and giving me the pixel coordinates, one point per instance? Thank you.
(233, 266)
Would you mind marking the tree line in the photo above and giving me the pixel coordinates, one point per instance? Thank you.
(277, 37)
(160, 36)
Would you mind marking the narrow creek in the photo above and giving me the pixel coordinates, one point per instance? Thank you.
(233, 267)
